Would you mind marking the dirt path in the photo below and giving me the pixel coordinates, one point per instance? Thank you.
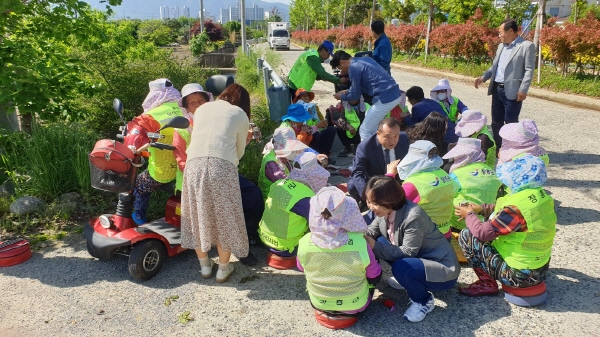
(61, 291)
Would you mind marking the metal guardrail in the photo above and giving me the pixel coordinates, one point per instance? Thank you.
(276, 90)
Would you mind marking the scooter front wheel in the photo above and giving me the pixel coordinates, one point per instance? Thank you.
(146, 259)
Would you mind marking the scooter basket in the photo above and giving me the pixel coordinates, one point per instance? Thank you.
(108, 180)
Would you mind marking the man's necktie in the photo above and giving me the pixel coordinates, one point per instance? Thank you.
(386, 156)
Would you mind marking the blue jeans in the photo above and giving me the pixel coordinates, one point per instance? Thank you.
(410, 273)
(504, 111)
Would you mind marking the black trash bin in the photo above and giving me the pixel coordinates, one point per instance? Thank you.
(216, 84)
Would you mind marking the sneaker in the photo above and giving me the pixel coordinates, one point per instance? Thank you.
(249, 260)
(138, 219)
(394, 284)
(223, 275)
(206, 271)
(417, 312)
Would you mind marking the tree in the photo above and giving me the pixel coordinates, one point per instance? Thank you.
(156, 31)
(460, 11)
(394, 9)
(38, 75)
(213, 30)
(233, 26)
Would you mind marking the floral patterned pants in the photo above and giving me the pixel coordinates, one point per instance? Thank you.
(483, 255)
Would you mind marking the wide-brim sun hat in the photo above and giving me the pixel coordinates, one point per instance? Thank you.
(192, 88)
(472, 121)
(522, 173)
(443, 84)
(332, 216)
(521, 132)
(301, 91)
(285, 142)
(418, 159)
(296, 113)
(464, 147)
(417, 151)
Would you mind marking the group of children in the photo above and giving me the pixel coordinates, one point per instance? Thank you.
(321, 231)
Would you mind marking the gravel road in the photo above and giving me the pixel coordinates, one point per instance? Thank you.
(62, 291)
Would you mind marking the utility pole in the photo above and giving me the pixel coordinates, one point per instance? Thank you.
(429, 20)
(243, 18)
(201, 16)
(539, 24)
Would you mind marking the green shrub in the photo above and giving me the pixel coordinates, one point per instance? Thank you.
(49, 162)
(200, 44)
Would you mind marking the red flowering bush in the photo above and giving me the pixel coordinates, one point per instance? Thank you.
(405, 37)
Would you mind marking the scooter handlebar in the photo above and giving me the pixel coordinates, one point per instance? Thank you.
(162, 146)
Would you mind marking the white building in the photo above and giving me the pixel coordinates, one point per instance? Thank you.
(174, 12)
(224, 15)
(186, 11)
(267, 15)
(164, 12)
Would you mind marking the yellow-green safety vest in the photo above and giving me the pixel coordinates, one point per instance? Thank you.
(336, 278)
(490, 156)
(162, 165)
(185, 134)
(263, 182)
(530, 249)
(453, 113)
(436, 192)
(280, 228)
(478, 185)
(302, 75)
(352, 118)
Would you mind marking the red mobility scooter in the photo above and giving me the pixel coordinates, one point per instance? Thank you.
(113, 168)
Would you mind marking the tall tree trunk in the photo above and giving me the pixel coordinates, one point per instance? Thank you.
(344, 19)
(373, 11)
(429, 23)
(327, 19)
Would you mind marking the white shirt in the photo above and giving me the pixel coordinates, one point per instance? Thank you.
(503, 61)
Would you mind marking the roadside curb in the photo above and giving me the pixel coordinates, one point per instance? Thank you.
(567, 99)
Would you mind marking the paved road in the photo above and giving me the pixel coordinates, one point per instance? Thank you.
(61, 291)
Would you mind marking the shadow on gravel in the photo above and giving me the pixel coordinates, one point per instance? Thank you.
(571, 291)
(576, 216)
(573, 158)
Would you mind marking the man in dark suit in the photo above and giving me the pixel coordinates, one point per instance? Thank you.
(387, 146)
(512, 72)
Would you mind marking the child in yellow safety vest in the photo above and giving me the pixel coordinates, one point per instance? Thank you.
(476, 181)
(514, 245)
(473, 124)
(427, 185)
(341, 269)
(285, 219)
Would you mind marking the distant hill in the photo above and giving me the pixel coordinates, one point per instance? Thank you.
(149, 9)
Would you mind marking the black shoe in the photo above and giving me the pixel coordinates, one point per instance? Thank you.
(249, 260)
(346, 151)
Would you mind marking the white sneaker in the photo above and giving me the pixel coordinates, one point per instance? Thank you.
(206, 272)
(417, 312)
(394, 284)
(223, 275)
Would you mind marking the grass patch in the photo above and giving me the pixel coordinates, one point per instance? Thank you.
(248, 76)
(50, 161)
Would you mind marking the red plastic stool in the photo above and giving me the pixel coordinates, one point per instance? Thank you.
(526, 297)
(335, 322)
(281, 262)
(14, 252)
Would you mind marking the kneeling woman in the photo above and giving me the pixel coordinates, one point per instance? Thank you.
(402, 234)
(514, 245)
(285, 219)
(340, 267)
